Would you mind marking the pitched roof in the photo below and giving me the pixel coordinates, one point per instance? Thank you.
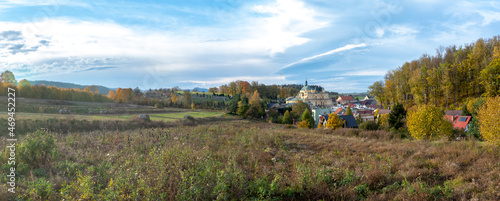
(453, 112)
(459, 122)
(350, 122)
(375, 106)
(384, 111)
(368, 102)
(365, 111)
(338, 110)
(346, 98)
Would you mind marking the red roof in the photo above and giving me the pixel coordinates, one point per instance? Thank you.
(365, 111)
(337, 111)
(346, 98)
(459, 122)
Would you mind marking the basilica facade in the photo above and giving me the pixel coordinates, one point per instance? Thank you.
(310, 95)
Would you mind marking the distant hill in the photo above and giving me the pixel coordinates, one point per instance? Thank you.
(102, 89)
(200, 89)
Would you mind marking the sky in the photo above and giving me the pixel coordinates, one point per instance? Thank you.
(343, 46)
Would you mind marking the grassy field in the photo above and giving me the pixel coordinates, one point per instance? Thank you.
(170, 116)
(47, 106)
(228, 158)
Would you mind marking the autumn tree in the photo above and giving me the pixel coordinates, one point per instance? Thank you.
(490, 76)
(334, 121)
(377, 90)
(489, 119)
(427, 122)
(173, 97)
(255, 109)
(111, 94)
(213, 90)
(24, 87)
(8, 77)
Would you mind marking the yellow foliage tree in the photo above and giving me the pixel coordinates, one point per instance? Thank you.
(173, 97)
(427, 122)
(334, 121)
(383, 120)
(111, 94)
(489, 119)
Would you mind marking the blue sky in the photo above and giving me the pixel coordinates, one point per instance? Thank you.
(343, 46)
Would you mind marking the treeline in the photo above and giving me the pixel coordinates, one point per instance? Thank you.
(25, 89)
(266, 91)
(446, 79)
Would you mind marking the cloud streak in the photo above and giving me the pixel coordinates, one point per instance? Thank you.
(334, 51)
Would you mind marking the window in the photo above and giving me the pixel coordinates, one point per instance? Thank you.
(462, 119)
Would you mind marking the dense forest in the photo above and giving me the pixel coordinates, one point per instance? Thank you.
(448, 79)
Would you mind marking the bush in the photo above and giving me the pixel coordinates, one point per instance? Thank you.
(37, 149)
(427, 122)
(334, 121)
(369, 126)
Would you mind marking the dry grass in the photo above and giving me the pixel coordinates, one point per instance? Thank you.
(239, 159)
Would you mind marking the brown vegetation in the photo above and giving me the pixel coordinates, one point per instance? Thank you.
(238, 159)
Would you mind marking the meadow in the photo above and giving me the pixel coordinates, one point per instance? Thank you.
(228, 158)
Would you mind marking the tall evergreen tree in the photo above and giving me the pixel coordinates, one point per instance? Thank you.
(398, 113)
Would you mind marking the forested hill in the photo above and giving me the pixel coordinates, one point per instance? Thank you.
(446, 79)
(102, 90)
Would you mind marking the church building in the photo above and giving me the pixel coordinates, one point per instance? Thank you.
(310, 95)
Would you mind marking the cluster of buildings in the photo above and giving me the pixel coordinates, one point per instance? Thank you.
(322, 105)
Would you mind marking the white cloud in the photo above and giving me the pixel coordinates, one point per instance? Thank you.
(489, 16)
(365, 73)
(43, 3)
(288, 20)
(337, 50)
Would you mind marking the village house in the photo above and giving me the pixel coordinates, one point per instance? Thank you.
(349, 121)
(345, 100)
(458, 121)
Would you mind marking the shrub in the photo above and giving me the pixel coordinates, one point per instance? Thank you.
(383, 122)
(369, 125)
(427, 122)
(37, 149)
(307, 120)
(488, 120)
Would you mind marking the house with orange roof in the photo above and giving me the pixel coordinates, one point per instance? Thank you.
(459, 122)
